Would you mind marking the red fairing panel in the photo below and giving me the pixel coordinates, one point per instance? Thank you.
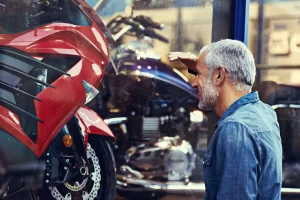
(58, 105)
(91, 123)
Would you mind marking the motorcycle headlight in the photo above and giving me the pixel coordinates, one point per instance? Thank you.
(90, 91)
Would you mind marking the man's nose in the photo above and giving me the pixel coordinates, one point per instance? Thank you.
(194, 83)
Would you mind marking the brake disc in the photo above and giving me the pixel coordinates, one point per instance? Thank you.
(94, 176)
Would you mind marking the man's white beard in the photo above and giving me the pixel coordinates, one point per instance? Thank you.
(209, 97)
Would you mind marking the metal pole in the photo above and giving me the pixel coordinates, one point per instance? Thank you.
(260, 31)
(260, 36)
(180, 39)
(241, 20)
(221, 20)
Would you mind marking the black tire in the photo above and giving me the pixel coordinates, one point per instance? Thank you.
(107, 164)
(108, 167)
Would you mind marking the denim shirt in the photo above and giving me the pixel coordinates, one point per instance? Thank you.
(244, 157)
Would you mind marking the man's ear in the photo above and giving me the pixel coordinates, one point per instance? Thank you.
(219, 76)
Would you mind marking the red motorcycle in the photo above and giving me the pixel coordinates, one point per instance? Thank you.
(53, 54)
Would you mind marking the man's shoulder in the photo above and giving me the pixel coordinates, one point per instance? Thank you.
(257, 117)
(232, 126)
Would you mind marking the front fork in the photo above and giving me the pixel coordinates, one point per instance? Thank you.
(78, 148)
(75, 163)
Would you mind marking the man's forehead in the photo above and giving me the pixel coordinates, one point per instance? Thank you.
(202, 56)
(201, 62)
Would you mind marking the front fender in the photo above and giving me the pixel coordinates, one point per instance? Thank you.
(91, 123)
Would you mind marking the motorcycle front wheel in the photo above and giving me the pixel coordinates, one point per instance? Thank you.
(101, 183)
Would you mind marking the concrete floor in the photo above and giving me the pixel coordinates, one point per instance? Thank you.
(192, 197)
(171, 197)
(176, 191)
(191, 191)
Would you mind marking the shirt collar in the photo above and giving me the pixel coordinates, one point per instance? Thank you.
(249, 98)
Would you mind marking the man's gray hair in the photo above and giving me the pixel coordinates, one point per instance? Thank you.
(236, 58)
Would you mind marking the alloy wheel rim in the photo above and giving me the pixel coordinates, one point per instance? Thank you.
(95, 177)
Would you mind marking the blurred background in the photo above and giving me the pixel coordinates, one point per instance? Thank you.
(188, 25)
(152, 109)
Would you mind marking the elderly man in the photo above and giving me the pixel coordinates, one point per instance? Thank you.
(244, 157)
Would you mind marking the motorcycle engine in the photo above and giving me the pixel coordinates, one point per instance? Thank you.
(168, 158)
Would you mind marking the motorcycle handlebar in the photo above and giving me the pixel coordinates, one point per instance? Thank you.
(148, 22)
(116, 19)
(153, 34)
(138, 27)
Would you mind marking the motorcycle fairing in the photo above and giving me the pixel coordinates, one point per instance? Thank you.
(58, 103)
(91, 123)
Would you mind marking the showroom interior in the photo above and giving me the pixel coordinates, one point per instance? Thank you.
(92, 108)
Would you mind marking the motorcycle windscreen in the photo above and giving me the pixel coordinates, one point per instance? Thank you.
(22, 15)
(96, 19)
(100, 24)
(19, 16)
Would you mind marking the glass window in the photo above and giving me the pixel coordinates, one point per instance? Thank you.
(150, 105)
(66, 73)
(274, 38)
(73, 73)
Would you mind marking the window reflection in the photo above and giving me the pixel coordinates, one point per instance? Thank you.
(278, 73)
(188, 27)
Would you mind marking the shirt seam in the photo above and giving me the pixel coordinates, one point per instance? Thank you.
(236, 110)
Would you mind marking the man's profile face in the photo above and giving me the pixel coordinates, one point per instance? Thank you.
(207, 93)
